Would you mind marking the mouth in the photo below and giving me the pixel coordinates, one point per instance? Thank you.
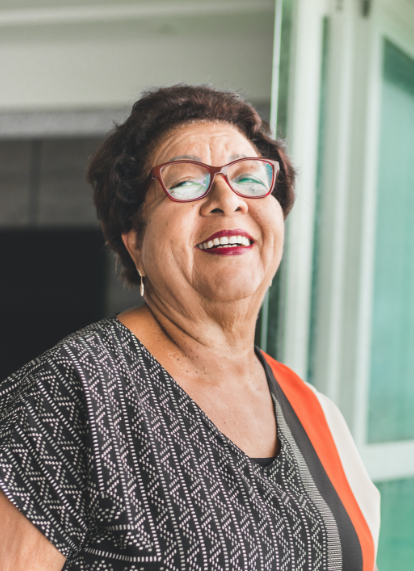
(227, 242)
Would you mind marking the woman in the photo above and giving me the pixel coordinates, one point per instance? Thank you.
(161, 438)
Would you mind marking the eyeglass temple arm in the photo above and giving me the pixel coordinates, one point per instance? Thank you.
(150, 178)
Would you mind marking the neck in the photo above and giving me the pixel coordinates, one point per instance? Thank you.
(214, 345)
(223, 328)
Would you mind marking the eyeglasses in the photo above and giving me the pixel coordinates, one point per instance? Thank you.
(186, 181)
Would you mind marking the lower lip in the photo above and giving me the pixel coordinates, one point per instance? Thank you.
(237, 251)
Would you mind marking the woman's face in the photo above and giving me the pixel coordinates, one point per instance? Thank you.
(170, 253)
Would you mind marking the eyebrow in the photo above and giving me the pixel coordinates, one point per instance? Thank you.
(194, 158)
(191, 157)
(234, 157)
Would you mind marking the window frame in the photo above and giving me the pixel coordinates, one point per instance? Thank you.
(392, 23)
(347, 244)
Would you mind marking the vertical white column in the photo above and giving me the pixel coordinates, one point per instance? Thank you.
(302, 146)
(341, 351)
(337, 166)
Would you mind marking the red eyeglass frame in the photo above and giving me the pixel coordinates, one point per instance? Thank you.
(155, 173)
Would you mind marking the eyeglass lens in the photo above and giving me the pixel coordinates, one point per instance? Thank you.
(188, 181)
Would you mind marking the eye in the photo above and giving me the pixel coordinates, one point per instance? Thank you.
(188, 188)
(184, 183)
(248, 179)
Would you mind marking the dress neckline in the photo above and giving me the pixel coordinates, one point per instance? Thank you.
(262, 462)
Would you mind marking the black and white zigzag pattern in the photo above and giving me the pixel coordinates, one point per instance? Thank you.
(104, 452)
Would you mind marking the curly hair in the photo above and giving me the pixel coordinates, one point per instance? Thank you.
(118, 170)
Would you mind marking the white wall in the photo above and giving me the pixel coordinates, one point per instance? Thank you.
(91, 56)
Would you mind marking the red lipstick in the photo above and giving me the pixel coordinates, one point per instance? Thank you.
(228, 250)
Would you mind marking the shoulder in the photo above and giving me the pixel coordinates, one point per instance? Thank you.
(65, 358)
(301, 395)
(365, 492)
(333, 442)
(45, 446)
(57, 379)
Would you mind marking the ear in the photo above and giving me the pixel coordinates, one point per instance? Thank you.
(133, 246)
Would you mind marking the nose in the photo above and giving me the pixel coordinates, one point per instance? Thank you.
(222, 200)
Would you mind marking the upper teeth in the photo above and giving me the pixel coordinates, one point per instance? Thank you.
(225, 240)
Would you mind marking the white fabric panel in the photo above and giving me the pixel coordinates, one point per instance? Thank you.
(366, 494)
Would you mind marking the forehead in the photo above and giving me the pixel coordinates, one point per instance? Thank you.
(204, 141)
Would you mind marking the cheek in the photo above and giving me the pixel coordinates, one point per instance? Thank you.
(167, 239)
(280, 230)
(270, 219)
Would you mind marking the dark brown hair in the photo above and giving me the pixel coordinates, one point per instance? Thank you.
(119, 169)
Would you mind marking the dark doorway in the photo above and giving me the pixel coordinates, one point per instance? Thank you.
(51, 284)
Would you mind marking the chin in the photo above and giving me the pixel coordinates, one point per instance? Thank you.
(229, 293)
(232, 284)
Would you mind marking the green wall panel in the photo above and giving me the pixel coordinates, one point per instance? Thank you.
(396, 545)
(391, 395)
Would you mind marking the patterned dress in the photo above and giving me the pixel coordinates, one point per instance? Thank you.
(121, 470)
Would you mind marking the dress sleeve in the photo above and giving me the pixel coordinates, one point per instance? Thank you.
(43, 448)
(365, 492)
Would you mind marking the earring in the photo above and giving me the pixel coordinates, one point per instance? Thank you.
(141, 287)
(271, 281)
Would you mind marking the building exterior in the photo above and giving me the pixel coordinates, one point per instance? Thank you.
(341, 312)
(348, 291)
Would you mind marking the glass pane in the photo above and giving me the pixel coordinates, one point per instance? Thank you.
(396, 544)
(272, 339)
(251, 178)
(391, 395)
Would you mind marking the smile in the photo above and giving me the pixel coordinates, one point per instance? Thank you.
(227, 243)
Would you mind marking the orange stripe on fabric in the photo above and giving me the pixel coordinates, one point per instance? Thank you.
(309, 411)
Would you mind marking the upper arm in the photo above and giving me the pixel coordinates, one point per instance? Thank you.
(43, 463)
(22, 545)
